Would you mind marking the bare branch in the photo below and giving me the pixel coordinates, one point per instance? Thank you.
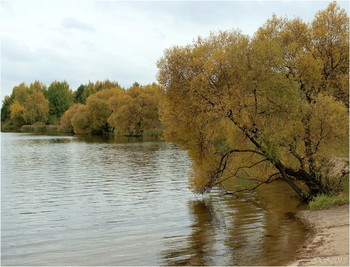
(292, 150)
(321, 137)
(269, 180)
(238, 169)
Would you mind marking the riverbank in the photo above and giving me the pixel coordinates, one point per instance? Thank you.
(329, 242)
(35, 128)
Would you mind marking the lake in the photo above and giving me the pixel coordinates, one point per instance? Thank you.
(69, 200)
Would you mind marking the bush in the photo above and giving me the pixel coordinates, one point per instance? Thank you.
(9, 127)
(324, 201)
(40, 128)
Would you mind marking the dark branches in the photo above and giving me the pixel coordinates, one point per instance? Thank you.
(269, 180)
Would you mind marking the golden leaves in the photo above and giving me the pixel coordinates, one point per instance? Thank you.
(277, 92)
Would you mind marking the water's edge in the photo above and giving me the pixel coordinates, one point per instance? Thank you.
(328, 241)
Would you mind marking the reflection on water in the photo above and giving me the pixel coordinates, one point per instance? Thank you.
(108, 201)
(230, 231)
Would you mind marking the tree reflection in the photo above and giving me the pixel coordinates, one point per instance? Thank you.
(199, 244)
(256, 229)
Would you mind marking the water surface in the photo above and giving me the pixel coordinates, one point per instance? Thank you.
(103, 201)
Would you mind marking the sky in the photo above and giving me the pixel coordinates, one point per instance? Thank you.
(82, 41)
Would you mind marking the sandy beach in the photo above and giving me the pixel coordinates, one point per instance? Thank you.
(329, 242)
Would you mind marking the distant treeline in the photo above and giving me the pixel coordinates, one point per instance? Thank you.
(94, 108)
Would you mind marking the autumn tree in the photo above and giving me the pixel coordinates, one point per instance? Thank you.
(84, 91)
(91, 118)
(38, 86)
(36, 108)
(81, 120)
(267, 107)
(26, 105)
(16, 113)
(126, 112)
(135, 110)
(99, 109)
(66, 119)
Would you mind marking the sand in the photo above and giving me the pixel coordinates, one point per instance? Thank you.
(329, 242)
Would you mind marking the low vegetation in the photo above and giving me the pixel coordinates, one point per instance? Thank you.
(325, 201)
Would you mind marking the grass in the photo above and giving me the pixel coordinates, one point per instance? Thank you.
(324, 201)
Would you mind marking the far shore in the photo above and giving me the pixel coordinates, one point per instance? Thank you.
(329, 242)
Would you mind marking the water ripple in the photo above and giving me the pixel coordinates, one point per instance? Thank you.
(84, 201)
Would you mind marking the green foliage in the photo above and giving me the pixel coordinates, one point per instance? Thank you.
(33, 103)
(221, 145)
(5, 109)
(92, 88)
(79, 96)
(325, 201)
(60, 98)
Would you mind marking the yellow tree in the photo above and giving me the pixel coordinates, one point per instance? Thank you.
(135, 110)
(16, 113)
(36, 108)
(99, 109)
(316, 57)
(91, 88)
(92, 117)
(29, 103)
(244, 105)
(66, 119)
(81, 120)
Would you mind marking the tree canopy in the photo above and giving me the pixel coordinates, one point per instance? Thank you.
(60, 98)
(26, 105)
(126, 112)
(270, 106)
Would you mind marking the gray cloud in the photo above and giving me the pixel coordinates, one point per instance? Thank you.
(118, 40)
(15, 50)
(72, 23)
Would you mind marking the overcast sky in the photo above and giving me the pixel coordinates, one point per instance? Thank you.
(78, 41)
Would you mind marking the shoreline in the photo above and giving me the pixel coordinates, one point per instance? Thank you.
(329, 241)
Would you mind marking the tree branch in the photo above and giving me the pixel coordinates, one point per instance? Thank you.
(269, 180)
(238, 169)
(292, 150)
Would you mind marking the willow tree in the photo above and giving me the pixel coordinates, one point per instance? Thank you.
(271, 106)
(92, 117)
(99, 109)
(66, 119)
(135, 110)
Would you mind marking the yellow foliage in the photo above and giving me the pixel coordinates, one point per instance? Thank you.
(66, 119)
(135, 110)
(81, 120)
(274, 102)
(16, 113)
